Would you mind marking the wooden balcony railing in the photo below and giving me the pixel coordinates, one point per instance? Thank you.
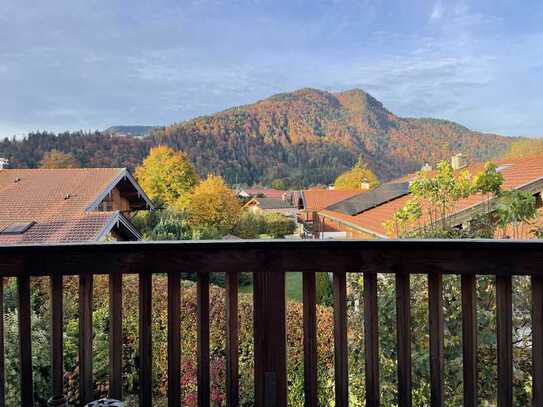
(269, 261)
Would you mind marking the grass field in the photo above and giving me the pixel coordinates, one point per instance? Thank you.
(293, 283)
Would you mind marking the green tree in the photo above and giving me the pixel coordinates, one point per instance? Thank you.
(278, 226)
(324, 294)
(172, 225)
(433, 199)
(58, 159)
(213, 210)
(354, 178)
(167, 176)
(250, 226)
(280, 184)
(515, 210)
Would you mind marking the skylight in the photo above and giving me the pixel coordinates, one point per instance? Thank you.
(503, 167)
(17, 228)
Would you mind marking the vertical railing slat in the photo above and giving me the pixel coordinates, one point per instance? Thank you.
(371, 337)
(203, 338)
(340, 339)
(57, 326)
(2, 359)
(146, 338)
(116, 335)
(85, 338)
(25, 340)
(403, 342)
(232, 339)
(435, 324)
(537, 339)
(174, 339)
(469, 339)
(310, 339)
(270, 355)
(504, 335)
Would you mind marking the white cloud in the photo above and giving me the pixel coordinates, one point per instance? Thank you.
(437, 11)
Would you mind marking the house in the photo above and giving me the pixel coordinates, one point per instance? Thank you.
(363, 215)
(272, 205)
(68, 205)
(315, 199)
(261, 192)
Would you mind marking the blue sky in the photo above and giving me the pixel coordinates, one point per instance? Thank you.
(69, 64)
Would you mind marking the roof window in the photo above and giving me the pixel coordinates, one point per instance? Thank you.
(503, 167)
(17, 228)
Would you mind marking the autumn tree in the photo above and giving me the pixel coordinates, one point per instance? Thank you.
(58, 159)
(213, 209)
(167, 176)
(525, 148)
(355, 177)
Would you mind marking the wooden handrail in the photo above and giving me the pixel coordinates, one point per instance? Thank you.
(268, 261)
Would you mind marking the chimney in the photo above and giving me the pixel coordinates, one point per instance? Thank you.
(365, 185)
(458, 161)
(426, 167)
(3, 163)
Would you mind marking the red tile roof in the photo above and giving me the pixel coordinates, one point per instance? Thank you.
(516, 172)
(266, 192)
(316, 199)
(76, 228)
(58, 201)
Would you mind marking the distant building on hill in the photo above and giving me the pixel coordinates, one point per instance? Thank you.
(39, 206)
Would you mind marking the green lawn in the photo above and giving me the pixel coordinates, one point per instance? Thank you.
(293, 283)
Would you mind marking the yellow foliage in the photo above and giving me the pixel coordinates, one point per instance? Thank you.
(213, 209)
(354, 178)
(166, 176)
(58, 159)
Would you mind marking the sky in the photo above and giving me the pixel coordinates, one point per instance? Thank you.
(91, 64)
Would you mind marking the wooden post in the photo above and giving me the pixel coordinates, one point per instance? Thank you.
(270, 338)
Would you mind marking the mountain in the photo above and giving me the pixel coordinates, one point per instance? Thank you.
(130, 130)
(310, 136)
(305, 137)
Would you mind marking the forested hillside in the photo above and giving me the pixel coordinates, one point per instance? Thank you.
(305, 137)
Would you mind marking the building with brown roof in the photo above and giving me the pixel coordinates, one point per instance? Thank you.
(39, 206)
(363, 216)
(316, 199)
(272, 205)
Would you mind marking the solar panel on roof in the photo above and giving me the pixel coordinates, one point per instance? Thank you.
(370, 199)
(17, 228)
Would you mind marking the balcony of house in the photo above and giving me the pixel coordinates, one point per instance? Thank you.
(268, 261)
